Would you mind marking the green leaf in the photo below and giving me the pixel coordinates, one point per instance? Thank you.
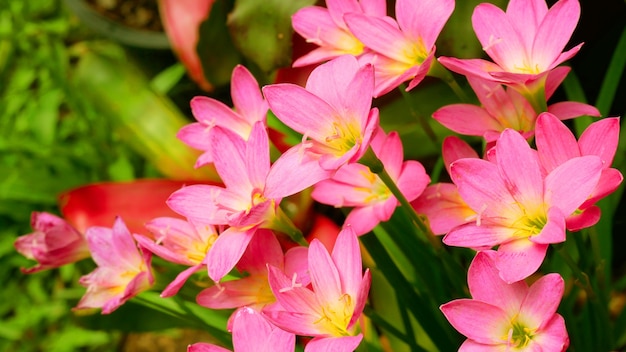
(262, 32)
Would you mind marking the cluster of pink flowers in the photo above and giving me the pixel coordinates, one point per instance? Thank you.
(514, 198)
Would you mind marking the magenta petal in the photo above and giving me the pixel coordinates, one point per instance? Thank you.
(226, 252)
(471, 67)
(443, 207)
(528, 15)
(246, 95)
(324, 273)
(174, 286)
(601, 138)
(570, 184)
(555, 32)
(554, 229)
(499, 37)
(477, 237)
(479, 321)
(542, 301)
(570, 109)
(519, 259)
(555, 142)
(335, 344)
(589, 217)
(229, 155)
(424, 19)
(346, 255)
(553, 336)
(362, 220)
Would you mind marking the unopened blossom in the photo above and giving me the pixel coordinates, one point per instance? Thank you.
(333, 113)
(53, 243)
(326, 28)
(354, 185)
(556, 145)
(252, 332)
(518, 208)
(502, 108)
(253, 289)
(329, 309)
(246, 203)
(123, 269)
(249, 108)
(181, 242)
(401, 49)
(526, 42)
(503, 316)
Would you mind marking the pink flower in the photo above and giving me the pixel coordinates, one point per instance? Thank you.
(505, 316)
(181, 242)
(252, 332)
(334, 115)
(123, 271)
(401, 50)
(503, 109)
(354, 185)
(329, 309)
(517, 207)
(556, 145)
(326, 28)
(53, 244)
(249, 108)
(253, 290)
(525, 42)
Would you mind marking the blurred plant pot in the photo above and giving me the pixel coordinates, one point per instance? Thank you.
(116, 30)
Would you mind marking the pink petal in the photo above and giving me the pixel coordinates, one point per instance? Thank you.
(542, 301)
(229, 156)
(589, 217)
(381, 35)
(554, 33)
(250, 329)
(570, 184)
(528, 15)
(601, 138)
(325, 276)
(226, 252)
(362, 220)
(257, 157)
(195, 135)
(519, 259)
(553, 336)
(471, 346)
(471, 67)
(555, 78)
(264, 249)
(610, 179)
(480, 237)
(569, 109)
(199, 203)
(295, 300)
(554, 229)
(478, 321)
(466, 119)
(454, 148)
(444, 208)
(424, 19)
(211, 112)
(413, 180)
(486, 285)
(347, 257)
(174, 286)
(247, 96)
(335, 344)
(205, 347)
(362, 295)
(555, 142)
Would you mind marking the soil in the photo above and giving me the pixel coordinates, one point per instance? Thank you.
(139, 14)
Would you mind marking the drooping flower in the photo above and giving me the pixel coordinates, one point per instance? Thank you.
(556, 145)
(53, 244)
(181, 242)
(505, 316)
(501, 109)
(246, 203)
(334, 114)
(252, 332)
(249, 108)
(354, 185)
(517, 207)
(525, 42)
(330, 309)
(404, 49)
(123, 269)
(326, 28)
(253, 290)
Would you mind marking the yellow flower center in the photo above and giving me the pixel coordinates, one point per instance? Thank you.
(335, 317)
(518, 335)
(344, 136)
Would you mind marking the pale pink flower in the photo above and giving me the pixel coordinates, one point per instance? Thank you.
(404, 49)
(248, 201)
(525, 42)
(335, 301)
(519, 208)
(505, 316)
(354, 185)
(326, 28)
(503, 108)
(556, 145)
(252, 332)
(249, 108)
(334, 114)
(53, 244)
(253, 290)
(181, 242)
(123, 270)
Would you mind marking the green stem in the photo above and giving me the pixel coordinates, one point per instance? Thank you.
(282, 223)
(421, 119)
(437, 70)
(582, 278)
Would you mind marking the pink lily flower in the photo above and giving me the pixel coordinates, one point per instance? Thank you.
(505, 316)
(123, 271)
(441, 202)
(181, 242)
(334, 114)
(253, 290)
(330, 309)
(249, 108)
(517, 207)
(556, 144)
(53, 244)
(252, 332)
(525, 42)
(503, 109)
(404, 49)
(326, 28)
(247, 203)
(354, 185)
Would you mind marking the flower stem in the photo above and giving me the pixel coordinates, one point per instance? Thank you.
(437, 70)
(421, 119)
(582, 277)
(282, 223)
